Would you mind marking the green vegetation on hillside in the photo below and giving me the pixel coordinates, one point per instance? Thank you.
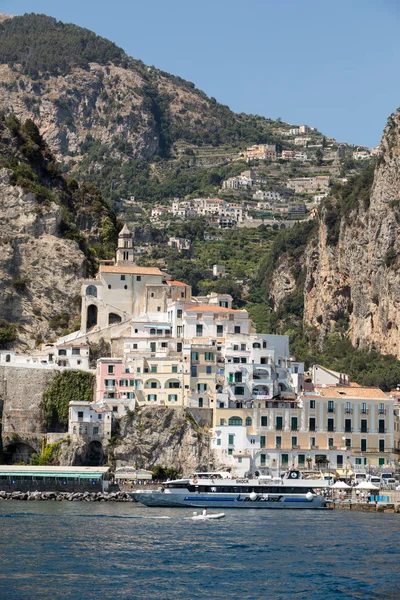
(41, 44)
(65, 387)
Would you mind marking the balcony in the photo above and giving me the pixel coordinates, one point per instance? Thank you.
(349, 430)
(260, 396)
(331, 411)
(364, 411)
(295, 447)
(278, 446)
(314, 447)
(348, 411)
(381, 411)
(110, 388)
(332, 447)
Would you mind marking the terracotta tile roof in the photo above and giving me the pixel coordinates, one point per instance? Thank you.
(130, 269)
(199, 308)
(354, 393)
(173, 282)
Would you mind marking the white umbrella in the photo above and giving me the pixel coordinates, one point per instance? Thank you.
(340, 485)
(366, 485)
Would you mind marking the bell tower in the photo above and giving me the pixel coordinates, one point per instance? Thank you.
(125, 246)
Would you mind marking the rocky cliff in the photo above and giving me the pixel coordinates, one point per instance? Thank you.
(45, 227)
(351, 261)
(165, 436)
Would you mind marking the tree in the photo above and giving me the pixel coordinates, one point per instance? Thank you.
(319, 157)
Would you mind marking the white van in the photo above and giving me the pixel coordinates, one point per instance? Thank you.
(360, 476)
(375, 480)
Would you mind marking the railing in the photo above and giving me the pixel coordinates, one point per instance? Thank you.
(348, 411)
(332, 447)
(331, 410)
(364, 411)
(295, 447)
(278, 446)
(314, 447)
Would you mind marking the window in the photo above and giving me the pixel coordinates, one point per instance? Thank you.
(153, 385)
(115, 408)
(110, 369)
(218, 442)
(262, 441)
(195, 356)
(237, 329)
(76, 351)
(179, 313)
(179, 331)
(294, 440)
(230, 451)
(152, 295)
(209, 356)
(240, 460)
(174, 384)
(208, 370)
(95, 430)
(381, 409)
(134, 347)
(381, 426)
(347, 425)
(99, 417)
(243, 347)
(138, 278)
(312, 441)
(331, 424)
(179, 347)
(231, 439)
(158, 308)
(364, 409)
(348, 408)
(249, 422)
(222, 422)
(193, 371)
(137, 369)
(243, 359)
(312, 403)
(381, 445)
(294, 424)
(235, 377)
(236, 347)
(236, 360)
(363, 445)
(199, 330)
(348, 443)
(220, 329)
(262, 459)
(331, 407)
(174, 368)
(264, 421)
(153, 369)
(80, 414)
(201, 387)
(278, 423)
(339, 460)
(152, 397)
(285, 460)
(235, 421)
(200, 402)
(164, 345)
(330, 442)
(109, 287)
(122, 277)
(152, 346)
(364, 426)
(172, 397)
(301, 460)
(239, 391)
(123, 382)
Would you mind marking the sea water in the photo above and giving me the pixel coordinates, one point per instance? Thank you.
(80, 551)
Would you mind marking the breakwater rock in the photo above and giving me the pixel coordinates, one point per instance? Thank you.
(68, 496)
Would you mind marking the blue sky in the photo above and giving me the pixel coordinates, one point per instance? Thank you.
(330, 64)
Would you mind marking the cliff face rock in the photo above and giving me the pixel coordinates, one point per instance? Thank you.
(165, 436)
(102, 102)
(357, 280)
(39, 270)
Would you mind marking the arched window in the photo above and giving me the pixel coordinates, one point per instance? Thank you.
(113, 318)
(256, 345)
(235, 421)
(249, 422)
(91, 290)
(153, 331)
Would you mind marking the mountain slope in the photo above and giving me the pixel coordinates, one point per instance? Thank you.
(89, 98)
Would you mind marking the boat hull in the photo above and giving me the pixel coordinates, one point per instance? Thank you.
(204, 500)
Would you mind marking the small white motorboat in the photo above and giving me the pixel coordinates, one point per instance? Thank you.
(207, 517)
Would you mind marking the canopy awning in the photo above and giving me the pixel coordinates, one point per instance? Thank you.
(344, 472)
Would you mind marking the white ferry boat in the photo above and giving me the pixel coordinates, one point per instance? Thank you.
(219, 490)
